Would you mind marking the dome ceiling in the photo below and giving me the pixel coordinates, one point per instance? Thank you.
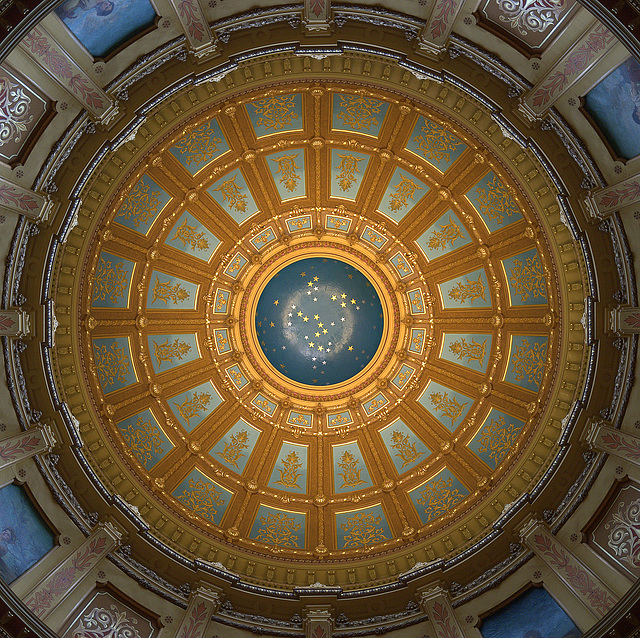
(319, 318)
(318, 323)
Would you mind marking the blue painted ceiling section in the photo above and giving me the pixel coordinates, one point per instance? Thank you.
(319, 321)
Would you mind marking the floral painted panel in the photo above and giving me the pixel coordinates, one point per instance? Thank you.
(358, 113)
(203, 496)
(142, 205)
(446, 234)
(236, 446)
(278, 527)
(189, 235)
(290, 471)
(112, 282)
(168, 351)
(233, 195)
(496, 437)
(102, 615)
(405, 449)
(435, 144)
(492, 199)
(447, 406)
(527, 361)
(276, 114)
(145, 437)
(362, 527)
(349, 468)
(167, 292)
(438, 495)
(402, 195)
(535, 23)
(470, 290)
(468, 350)
(526, 279)
(288, 172)
(199, 147)
(617, 531)
(347, 171)
(194, 405)
(112, 359)
(21, 110)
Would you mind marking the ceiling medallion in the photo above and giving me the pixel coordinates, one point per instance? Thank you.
(233, 443)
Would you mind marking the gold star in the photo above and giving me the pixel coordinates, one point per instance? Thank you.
(311, 344)
(343, 296)
(316, 317)
(273, 325)
(300, 313)
(317, 334)
(309, 283)
(276, 302)
(350, 348)
(321, 325)
(343, 304)
(315, 279)
(259, 324)
(320, 348)
(305, 319)
(353, 301)
(333, 297)
(350, 276)
(302, 274)
(324, 332)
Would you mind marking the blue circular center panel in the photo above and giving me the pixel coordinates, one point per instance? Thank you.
(319, 321)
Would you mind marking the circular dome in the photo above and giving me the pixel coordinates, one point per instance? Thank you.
(216, 271)
(319, 321)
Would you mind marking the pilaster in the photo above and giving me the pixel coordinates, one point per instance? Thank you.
(434, 36)
(621, 444)
(436, 603)
(196, 27)
(318, 621)
(203, 603)
(21, 446)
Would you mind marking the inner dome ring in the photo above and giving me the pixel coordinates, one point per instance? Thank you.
(381, 284)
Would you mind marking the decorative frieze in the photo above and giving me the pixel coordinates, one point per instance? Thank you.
(68, 574)
(581, 57)
(58, 64)
(585, 585)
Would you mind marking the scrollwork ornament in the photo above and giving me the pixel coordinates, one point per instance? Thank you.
(532, 15)
(14, 111)
(107, 623)
(624, 537)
